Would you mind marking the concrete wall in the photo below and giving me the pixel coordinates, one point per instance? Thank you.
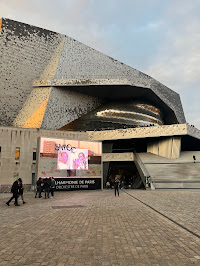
(118, 157)
(166, 173)
(26, 140)
(168, 148)
(142, 132)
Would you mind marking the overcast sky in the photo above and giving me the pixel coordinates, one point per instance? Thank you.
(158, 37)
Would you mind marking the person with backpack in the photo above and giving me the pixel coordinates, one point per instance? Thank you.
(15, 191)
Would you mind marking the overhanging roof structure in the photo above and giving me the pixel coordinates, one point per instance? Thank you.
(145, 132)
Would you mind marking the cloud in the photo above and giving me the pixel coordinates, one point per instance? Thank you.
(63, 16)
(177, 62)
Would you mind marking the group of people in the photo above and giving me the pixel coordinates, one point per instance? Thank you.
(17, 190)
(47, 185)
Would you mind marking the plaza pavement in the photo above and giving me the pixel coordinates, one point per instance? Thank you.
(160, 227)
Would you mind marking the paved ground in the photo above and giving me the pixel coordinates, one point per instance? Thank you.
(96, 228)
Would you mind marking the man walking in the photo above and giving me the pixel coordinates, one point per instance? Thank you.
(15, 191)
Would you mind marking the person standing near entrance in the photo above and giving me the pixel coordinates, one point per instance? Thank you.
(116, 186)
(53, 185)
(39, 187)
(47, 185)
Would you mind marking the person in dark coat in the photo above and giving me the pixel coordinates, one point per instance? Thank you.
(15, 191)
(53, 185)
(21, 190)
(116, 186)
(38, 187)
(47, 185)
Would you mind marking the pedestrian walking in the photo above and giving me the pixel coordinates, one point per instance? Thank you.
(15, 191)
(116, 186)
(21, 190)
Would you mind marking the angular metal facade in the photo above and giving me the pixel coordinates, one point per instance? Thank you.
(48, 80)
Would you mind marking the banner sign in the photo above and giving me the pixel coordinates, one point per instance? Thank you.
(77, 184)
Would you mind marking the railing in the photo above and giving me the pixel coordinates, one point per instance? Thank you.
(144, 174)
(5, 188)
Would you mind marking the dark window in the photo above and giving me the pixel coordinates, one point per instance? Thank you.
(33, 178)
(34, 154)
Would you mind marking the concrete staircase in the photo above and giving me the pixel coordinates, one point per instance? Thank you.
(173, 173)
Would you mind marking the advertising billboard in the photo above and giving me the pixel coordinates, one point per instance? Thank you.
(74, 164)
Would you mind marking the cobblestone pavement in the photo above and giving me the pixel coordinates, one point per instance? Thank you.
(97, 228)
(180, 205)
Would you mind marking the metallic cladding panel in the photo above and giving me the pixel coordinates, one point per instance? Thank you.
(25, 51)
(80, 61)
(65, 106)
(170, 97)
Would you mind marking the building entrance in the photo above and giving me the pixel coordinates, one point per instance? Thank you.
(127, 173)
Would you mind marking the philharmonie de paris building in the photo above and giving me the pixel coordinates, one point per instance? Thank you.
(73, 113)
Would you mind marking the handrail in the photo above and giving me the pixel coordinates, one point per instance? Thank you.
(145, 176)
